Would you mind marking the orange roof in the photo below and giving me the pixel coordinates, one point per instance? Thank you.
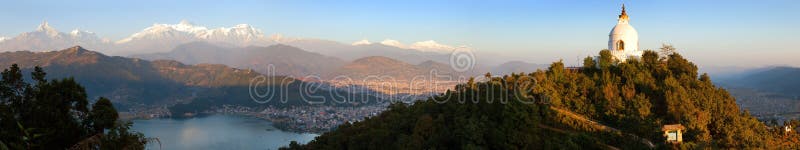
(672, 127)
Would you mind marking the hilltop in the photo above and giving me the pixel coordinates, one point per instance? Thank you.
(604, 105)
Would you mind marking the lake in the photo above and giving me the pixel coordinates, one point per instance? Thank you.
(217, 132)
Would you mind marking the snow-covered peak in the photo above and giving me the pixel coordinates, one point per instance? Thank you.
(45, 38)
(75, 32)
(432, 46)
(425, 46)
(186, 30)
(79, 33)
(184, 26)
(242, 26)
(45, 27)
(238, 30)
(395, 43)
(362, 42)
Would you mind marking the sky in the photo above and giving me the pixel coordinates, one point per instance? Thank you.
(710, 33)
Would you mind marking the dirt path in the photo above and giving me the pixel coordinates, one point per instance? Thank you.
(599, 126)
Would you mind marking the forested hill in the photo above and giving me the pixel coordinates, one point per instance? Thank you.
(133, 82)
(613, 105)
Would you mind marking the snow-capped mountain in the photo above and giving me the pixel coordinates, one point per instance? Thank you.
(432, 46)
(47, 38)
(424, 46)
(361, 42)
(87, 38)
(164, 37)
(395, 43)
(47, 30)
(160, 38)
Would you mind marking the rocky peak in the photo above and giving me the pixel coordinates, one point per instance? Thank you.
(45, 27)
(78, 51)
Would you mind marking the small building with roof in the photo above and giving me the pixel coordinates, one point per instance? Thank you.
(673, 133)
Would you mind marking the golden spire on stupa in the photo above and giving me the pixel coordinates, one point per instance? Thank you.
(624, 15)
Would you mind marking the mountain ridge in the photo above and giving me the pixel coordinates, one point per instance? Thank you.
(133, 82)
(286, 59)
(159, 38)
(381, 67)
(779, 79)
(47, 38)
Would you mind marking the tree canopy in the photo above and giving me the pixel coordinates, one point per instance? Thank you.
(55, 114)
(605, 104)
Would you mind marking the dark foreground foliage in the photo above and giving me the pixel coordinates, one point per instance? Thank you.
(527, 111)
(55, 114)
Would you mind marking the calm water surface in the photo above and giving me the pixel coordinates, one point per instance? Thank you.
(217, 132)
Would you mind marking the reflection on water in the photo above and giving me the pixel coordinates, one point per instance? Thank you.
(217, 132)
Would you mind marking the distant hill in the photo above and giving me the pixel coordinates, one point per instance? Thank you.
(131, 81)
(353, 52)
(379, 66)
(291, 60)
(118, 78)
(782, 80)
(288, 60)
(442, 68)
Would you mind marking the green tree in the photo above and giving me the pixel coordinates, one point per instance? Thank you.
(120, 137)
(589, 63)
(103, 115)
(635, 98)
(606, 60)
(650, 58)
(53, 114)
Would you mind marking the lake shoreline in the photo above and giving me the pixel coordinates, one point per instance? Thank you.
(283, 124)
(218, 130)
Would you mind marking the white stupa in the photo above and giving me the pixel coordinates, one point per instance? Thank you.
(623, 41)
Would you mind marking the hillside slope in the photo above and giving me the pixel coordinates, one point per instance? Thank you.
(131, 81)
(287, 60)
(782, 80)
(625, 104)
(379, 66)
